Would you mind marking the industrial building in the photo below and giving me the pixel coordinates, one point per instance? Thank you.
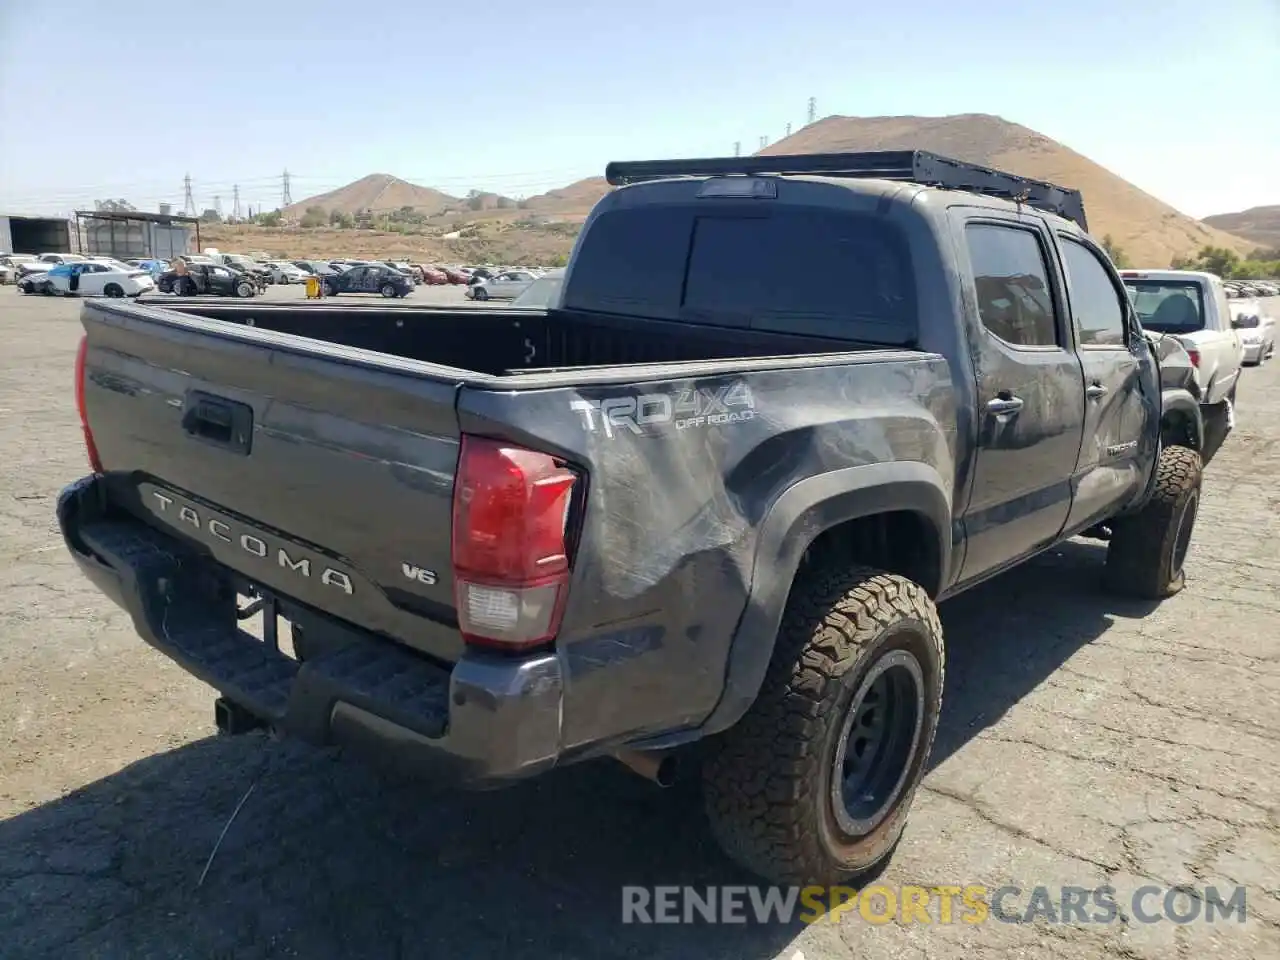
(133, 234)
(20, 234)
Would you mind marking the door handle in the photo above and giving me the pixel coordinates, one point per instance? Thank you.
(1095, 390)
(215, 420)
(1004, 402)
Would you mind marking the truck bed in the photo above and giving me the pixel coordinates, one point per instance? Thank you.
(502, 342)
(325, 438)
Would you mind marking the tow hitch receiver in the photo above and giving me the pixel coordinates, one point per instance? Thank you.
(233, 719)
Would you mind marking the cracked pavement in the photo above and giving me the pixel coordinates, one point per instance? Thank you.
(1085, 741)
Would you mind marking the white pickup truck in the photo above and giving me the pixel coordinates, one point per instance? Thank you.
(1192, 307)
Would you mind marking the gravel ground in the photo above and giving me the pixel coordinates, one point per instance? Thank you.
(1085, 741)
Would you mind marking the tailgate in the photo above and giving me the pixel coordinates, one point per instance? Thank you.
(323, 474)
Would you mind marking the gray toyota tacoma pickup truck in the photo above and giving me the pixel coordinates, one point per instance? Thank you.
(784, 406)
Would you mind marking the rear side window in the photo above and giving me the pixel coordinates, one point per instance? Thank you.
(789, 269)
(1012, 283)
(1095, 303)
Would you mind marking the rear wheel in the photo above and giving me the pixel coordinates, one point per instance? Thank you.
(113, 290)
(388, 290)
(1147, 551)
(814, 783)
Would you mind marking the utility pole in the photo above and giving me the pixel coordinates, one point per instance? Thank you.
(813, 109)
(788, 129)
(737, 148)
(286, 197)
(764, 141)
(235, 202)
(188, 203)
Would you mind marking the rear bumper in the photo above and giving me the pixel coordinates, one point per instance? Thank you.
(481, 722)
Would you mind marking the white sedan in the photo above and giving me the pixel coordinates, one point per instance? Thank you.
(505, 286)
(99, 278)
(282, 271)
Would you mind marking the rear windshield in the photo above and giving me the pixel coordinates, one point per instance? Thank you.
(793, 269)
(1167, 306)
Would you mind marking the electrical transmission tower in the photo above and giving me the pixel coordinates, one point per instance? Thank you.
(188, 202)
(235, 202)
(813, 109)
(737, 148)
(286, 197)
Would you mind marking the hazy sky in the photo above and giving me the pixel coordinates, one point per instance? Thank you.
(108, 100)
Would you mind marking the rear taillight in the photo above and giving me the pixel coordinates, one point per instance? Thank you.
(90, 447)
(1194, 355)
(511, 510)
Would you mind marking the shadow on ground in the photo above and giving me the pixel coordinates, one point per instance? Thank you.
(327, 860)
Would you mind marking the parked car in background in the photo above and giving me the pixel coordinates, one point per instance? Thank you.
(285, 271)
(238, 261)
(11, 266)
(434, 276)
(153, 266)
(35, 282)
(454, 275)
(503, 286)
(1257, 331)
(208, 278)
(369, 278)
(1193, 308)
(50, 258)
(316, 268)
(543, 293)
(17, 265)
(99, 278)
(410, 270)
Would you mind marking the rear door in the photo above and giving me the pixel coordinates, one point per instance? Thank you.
(328, 481)
(1116, 384)
(93, 279)
(1030, 414)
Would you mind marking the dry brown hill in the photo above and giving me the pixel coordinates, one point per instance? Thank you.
(374, 193)
(1150, 231)
(573, 202)
(1259, 224)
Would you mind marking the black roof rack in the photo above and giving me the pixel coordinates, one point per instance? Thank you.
(915, 166)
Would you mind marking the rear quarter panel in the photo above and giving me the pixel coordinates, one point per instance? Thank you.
(682, 476)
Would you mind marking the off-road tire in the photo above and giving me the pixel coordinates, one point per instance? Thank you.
(767, 781)
(1147, 550)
